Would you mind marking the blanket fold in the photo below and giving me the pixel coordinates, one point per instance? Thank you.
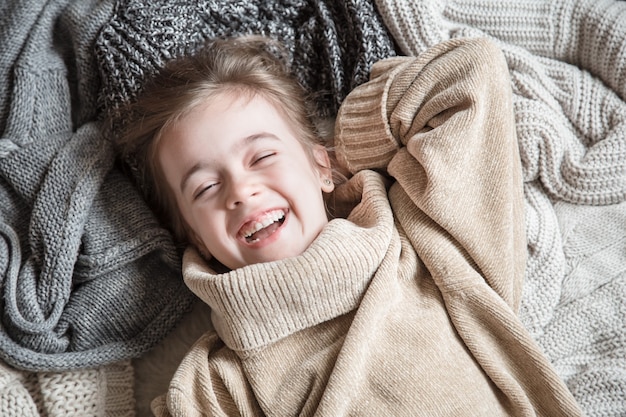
(567, 64)
(89, 277)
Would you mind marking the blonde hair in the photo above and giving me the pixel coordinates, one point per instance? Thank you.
(250, 65)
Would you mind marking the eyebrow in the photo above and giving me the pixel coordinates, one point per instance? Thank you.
(238, 145)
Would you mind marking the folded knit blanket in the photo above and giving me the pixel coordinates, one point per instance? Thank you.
(87, 275)
(567, 61)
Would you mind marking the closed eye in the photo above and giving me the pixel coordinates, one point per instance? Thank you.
(263, 157)
(204, 189)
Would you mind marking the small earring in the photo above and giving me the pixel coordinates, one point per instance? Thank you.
(327, 181)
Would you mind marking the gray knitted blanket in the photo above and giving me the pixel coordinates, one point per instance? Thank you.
(88, 275)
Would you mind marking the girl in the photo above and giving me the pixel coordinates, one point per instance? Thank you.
(405, 302)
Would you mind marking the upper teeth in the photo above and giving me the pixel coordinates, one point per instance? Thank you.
(262, 222)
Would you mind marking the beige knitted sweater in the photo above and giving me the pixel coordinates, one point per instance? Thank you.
(407, 306)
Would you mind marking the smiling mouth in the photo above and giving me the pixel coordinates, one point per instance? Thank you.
(263, 227)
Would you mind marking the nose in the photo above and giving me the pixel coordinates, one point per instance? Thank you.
(240, 190)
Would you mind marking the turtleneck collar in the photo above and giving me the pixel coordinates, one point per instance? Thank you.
(262, 303)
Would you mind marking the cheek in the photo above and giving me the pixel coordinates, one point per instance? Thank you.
(304, 183)
(308, 169)
(307, 189)
(203, 224)
(205, 221)
(214, 243)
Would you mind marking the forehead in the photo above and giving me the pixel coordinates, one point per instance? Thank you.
(224, 124)
(239, 112)
(234, 110)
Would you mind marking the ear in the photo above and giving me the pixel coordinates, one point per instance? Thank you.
(322, 160)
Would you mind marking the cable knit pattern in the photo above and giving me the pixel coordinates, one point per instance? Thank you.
(567, 64)
(105, 391)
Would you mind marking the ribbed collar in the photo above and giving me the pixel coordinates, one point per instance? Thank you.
(259, 304)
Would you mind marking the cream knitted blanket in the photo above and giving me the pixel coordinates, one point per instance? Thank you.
(567, 61)
(104, 391)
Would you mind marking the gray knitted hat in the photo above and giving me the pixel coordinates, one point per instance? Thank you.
(332, 43)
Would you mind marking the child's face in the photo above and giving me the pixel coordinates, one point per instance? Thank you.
(243, 182)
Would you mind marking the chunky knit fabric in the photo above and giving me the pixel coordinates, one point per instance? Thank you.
(87, 275)
(408, 307)
(567, 64)
(332, 44)
(106, 391)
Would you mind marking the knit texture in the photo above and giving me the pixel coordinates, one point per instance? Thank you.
(98, 392)
(331, 44)
(568, 61)
(408, 306)
(567, 64)
(88, 276)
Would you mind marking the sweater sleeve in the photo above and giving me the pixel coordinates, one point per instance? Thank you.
(442, 125)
